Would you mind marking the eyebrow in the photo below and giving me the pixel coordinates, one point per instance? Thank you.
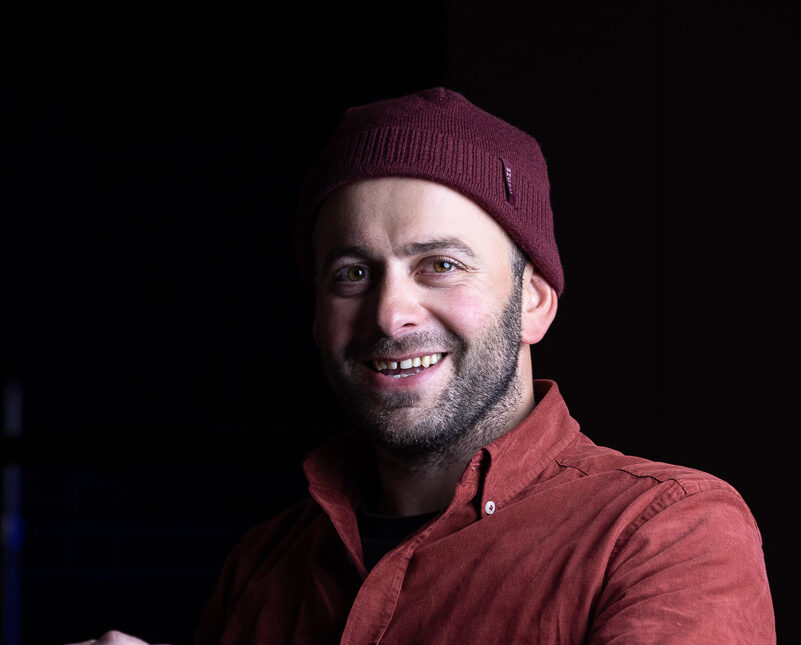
(346, 252)
(413, 248)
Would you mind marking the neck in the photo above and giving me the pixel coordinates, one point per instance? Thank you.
(426, 484)
(416, 487)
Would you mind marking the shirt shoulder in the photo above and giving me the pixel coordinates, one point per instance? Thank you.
(272, 536)
(591, 460)
(258, 550)
(646, 488)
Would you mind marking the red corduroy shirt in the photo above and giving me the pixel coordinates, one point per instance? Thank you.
(548, 539)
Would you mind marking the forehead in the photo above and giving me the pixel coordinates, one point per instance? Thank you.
(387, 214)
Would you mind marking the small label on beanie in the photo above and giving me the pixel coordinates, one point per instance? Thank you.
(507, 182)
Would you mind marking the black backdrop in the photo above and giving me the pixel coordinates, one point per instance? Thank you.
(156, 334)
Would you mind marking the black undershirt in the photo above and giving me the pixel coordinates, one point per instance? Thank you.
(382, 533)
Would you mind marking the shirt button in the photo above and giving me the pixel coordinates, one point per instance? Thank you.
(489, 507)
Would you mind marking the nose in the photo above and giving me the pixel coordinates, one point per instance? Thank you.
(397, 307)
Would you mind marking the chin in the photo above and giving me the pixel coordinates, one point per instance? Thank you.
(401, 433)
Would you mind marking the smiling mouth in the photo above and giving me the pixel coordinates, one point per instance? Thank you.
(406, 367)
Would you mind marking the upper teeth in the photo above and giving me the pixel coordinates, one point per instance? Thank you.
(417, 361)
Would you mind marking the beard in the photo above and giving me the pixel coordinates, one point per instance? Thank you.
(477, 405)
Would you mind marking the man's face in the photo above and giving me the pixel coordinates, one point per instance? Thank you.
(417, 312)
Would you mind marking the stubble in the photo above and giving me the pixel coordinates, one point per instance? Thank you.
(478, 404)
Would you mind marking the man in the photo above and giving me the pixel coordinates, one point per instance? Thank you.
(466, 506)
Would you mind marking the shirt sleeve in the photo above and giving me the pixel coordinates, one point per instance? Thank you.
(690, 570)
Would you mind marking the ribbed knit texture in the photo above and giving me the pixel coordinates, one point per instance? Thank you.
(438, 135)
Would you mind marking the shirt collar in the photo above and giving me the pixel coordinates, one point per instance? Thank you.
(517, 458)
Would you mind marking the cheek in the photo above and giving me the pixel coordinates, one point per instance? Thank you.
(465, 312)
(333, 324)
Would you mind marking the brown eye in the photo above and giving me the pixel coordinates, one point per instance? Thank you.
(443, 266)
(356, 274)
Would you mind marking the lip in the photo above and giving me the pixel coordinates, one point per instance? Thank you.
(403, 357)
(380, 381)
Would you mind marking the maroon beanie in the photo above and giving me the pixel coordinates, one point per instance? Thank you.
(440, 136)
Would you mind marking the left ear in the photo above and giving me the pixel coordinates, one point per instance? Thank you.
(539, 303)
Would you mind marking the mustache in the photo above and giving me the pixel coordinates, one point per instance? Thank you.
(414, 342)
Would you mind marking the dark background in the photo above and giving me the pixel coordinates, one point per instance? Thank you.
(157, 352)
